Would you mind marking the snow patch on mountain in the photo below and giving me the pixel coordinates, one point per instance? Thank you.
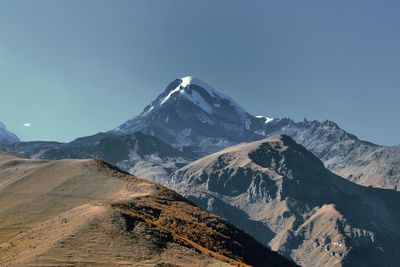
(177, 89)
(267, 119)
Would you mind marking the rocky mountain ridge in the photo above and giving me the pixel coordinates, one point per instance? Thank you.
(282, 194)
(359, 161)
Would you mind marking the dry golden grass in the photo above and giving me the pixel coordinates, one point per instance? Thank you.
(192, 227)
(87, 212)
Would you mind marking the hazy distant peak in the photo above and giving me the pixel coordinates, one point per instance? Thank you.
(7, 137)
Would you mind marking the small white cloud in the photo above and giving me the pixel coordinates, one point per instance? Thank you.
(27, 124)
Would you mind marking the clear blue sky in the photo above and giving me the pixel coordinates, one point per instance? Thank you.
(73, 68)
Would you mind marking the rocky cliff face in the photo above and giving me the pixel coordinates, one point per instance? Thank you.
(282, 194)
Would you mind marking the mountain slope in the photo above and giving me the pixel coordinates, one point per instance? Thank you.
(86, 212)
(136, 153)
(343, 153)
(7, 137)
(281, 194)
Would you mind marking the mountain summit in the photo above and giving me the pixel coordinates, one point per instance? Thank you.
(191, 113)
(200, 94)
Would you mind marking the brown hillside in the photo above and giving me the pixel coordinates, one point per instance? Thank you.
(86, 212)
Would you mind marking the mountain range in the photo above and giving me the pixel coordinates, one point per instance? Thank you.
(310, 190)
(194, 118)
(191, 115)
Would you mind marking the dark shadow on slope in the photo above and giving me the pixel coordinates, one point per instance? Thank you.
(237, 217)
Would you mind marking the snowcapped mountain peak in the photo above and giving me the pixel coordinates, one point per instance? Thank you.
(185, 87)
(199, 93)
(185, 82)
(190, 111)
(204, 96)
(189, 80)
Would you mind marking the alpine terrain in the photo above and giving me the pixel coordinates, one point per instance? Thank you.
(204, 145)
(87, 212)
(192, 116)
(282, 194)
(137, 153)
(359, 161)
(197, 120)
